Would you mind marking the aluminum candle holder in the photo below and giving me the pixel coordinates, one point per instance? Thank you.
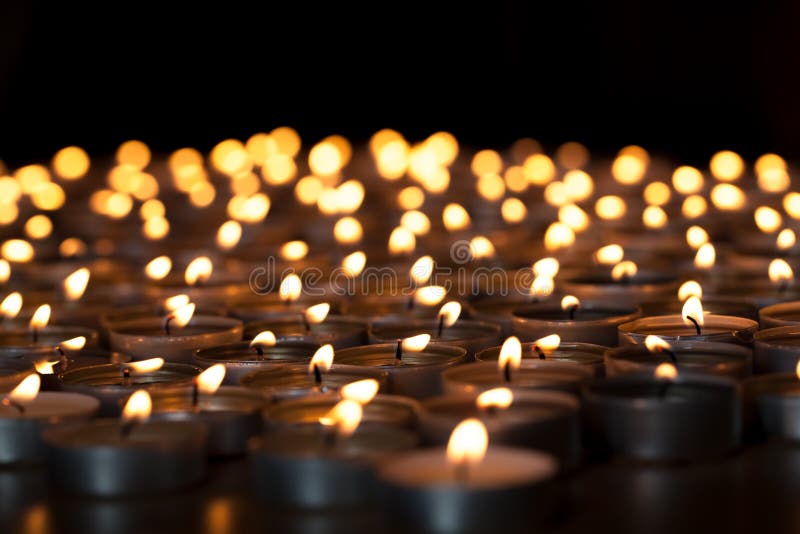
(74, 360)
(20, 342)
(533, 374)
(339, 331)
(472, 336)
(721, 359)
(499, 310)
(772, 405)
(392, 410)
(642, 287)
(733, 306)
(782, 314)
(717, 328)
(592, 356)
(299, 466)
(12, 371)
(240, 359)
(417, 374)
(269, 307)
(776, 350)
(593, 322)
(291, 381)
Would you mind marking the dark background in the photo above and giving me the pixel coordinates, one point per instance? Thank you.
(681, 78)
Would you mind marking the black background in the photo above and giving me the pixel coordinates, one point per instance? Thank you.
(681, 78)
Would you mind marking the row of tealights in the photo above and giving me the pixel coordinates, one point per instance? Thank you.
(315, 372)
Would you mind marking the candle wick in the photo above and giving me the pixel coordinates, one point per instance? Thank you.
(317, 375)
(306, 324)
(625, 279)
(572, 311)
(534, 299)
(126, 427)
(410, 303)
(507, 372)
(695, 323)
(441, 325)
(398, 352)
(166, 324)
(671, 355)
(60, 350)
(539, 351)
(64, 361)
(195, 395)
(259, 351)
(783, 286)
(13, 404)
(329, 436)
(126, 377)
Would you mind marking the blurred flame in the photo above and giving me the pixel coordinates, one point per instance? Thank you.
(557, 236)
(455, 217)
(688, 289)
(294, 250)
(728, 197)
(692, 308)
(317, 313)
(480, 247)
(666, 371)
(27, 390)
(422, 270)
(198, 271)
(687, 180)
(176, 301)
(11, 305)
(353, 264)
(542, 286)
(75, 284)
(656, 344)
(345, 416)
(138, 407)
(402, 241)
(416, 222)
(726, 165)
(654, 217)
(264, 339)
(75, 343)
(570, 301)
(546, 267)
(513, 210)
(497, 398)
(430, 295)
(786, 239)
(468, 443)
(158, 268)
(706, 256)
(361, 391)
(450, 312)
(416, 343)
(290, 288)
(45, 367)
(574, 217)
(183, 315)
(610, 207)
(548, 344)
(348, 230)
(209, 381)
(767, 219)
(609, 254)
(5, 271)
(146, 366)
(322, 359)
(780, 271)
(229, 234)
(696, 236)
(17, 250)
(510, 354)
(624, 269)
(40, 317)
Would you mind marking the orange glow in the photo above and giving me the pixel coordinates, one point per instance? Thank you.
(726, 166)
(767, 219)
(176, 301)
(542, 286)
(657, 194)
(481, 248)
(183, 315)
(654, 217)
(610, 207)
(134, 153)
(548, 344)
(40, 317)
(345, 416)
(45, 367)
(422, 270)
(290, 289)
(71, 247)
(666, 371)
(624, 269)
(145, 366)
(574, 217)
(706, 256)
(656, 344)
(416, 222)
(308, 190)
(491, 187)
(209, 381)
(325, 159)
(152, 208)
(5, 271)
(391, 159)
(361, 391)
(353, 264)
(317, 313)
(138, 407)
(264, 339)
(546, 267)
(510, 354)
(322, 359)
(198, 271)
(230, 157)
(349, 196)
(38, 227)
(468, 443)
(727, 197)
(71, 163)
(515, 179)
(348, 231)
(769, 161)
(75, 284)
(687, 180)
(558, 236)
(455, 217)
(31, 176)
(774, 180)
(416, 343)
(293, 250)
(287, 140)
(411, 198)
(156, 228)
(279, 169)
(449, 313)
(229, 234)
(401, 241)
(570, 301)
(609, 254)
(572, 155)
(27, 390)
(555, 194)
(786, 239)
(17, 250)
(11, 305)
(628, 169)
(513, 211)
(791, 204)
(692, 308)
(48, 196)
(539, 169)
(496, 398)
(688, 289)
(780, 272)
(696, 236)
(578, 185)
(486, 162)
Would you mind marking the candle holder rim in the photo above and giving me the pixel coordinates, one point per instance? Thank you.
(206, 356)
(594, 352)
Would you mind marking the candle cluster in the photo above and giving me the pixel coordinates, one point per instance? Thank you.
(453, 331)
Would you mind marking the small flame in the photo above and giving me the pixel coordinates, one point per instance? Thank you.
(345, 416)
(146, 366)
(480, 247)
(229, 234)
(209, 381)
(450, 311)
(5, 271)
(317, 313)
(688, 289)
(182, 315)
(138, 407)
(706, 256)
(455, 217)
(177, 301)
(76, 343)
(498, 398)
(666, 371)
(786, 239)
(361, 391)
(416, 343)
(542, 286)
(291, 287)
(422, 270)
(75, 284)
(780, 272)
(656, 344)
(40, 317)
(158, 268)
(692, 308)
(609, 254)
(45, 367)
(570, 301)
(767, 219)
(546, 267)
(402, 241)
(624, 269)
(353, 264)
(797, 370)
(322, 359)
(198, 271)
(696, 236)
(468, 443)
(294, 250)
(27, 390)
(557, 236)
(549, 343)
(510, 354)
(430, 295)
(11, 305)
(264, 339)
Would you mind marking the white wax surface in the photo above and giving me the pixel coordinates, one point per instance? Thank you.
(53, 404)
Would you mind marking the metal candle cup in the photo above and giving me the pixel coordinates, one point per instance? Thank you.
(240, 359)
(736, 307)
(341, 332)
(145, 338)
(782, 314)
(94, 458)
(499, 310)
(700, 357)
(74, 360)
(772, 405)
(20, 433)
(776, 350)
(422, 491)
(291, 381)
(592, 322)
(19, 341)
(218, 289)
(592, 356)
(382, 306)
(532, 374)
(106, 383)
(544, 420)
(642, 287)
(12, 371)
(269, 307)
(391, 410)
(298, 466)
(472, 336)
(417, 374)
(646, 418)
(718, 328)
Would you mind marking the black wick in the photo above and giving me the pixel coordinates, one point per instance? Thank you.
(539, 352)
(259, 350)
(35, 334)
(306, 324)
(669, 353)
(126, 376)
(507, 372)
(662, 389)
(195, 394)
(572, 310)
(441, 325)
(398, 351)
(126, 427)
(695, 323)
(317, 375)
(169, 318)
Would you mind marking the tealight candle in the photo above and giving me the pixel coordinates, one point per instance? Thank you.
(25, 412)
(469, 486)
(41, 337)
(574, 320)
(781, 314)
(772, 404)
(732, 306)
(110, 458)
(64, 358)
(313, 325)
(632, 290)
(587, 354)
(775, 350)
(664, 416)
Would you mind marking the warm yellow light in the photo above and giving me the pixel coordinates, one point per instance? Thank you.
(145, 366)
(202, 194)
(293, 250)
(328, 201)
(345, 416)
(657, 194)
(449, 313)
(411, 198)
(481, 248)
(45, 367)
(513, 210)
(254, 209)
(666, 371)
(769, 161)
(548, 344)
(524, 147)
(279, 169)
(317, 313)
(780, 273)
(727, 197)
(558, 236)
(209, 381)
(623, 270)
(260, 146)
(572, 155)
(767, 219)
(415, 343)
(687, 180)
(27, 390)
(229, 234)
(569, 302)
(30, 177)
(610, 207)
(287, 140)
(5, 271)
(491, 187)
(696, 237)
(176, 301)
(455, 217)
(48, 196)
(308, 190)
(348, 231)
(578, 185)
(690, 288)
(75, 284)
(264, 339)
(8, 212)
(349, 196)
(546, 267)
(40, 317)
(353, 264)
(692, 308)
(656, 344)
(17, 250)
(75, 343)
(706, 256)
(291, 287)
(198, 271)
(416, 222)
(444, 145)
(382, 138)
(609, 254)
(786, 239)
(574, 217)
(322, 360)
(695, 206)
(156, 228)
(38, 227)
(71, 247)
(486, 162)
(539, 169)
(555, 194)
(541, 287)
(791, 204)
(183, 315)
(10, 190)
(231, 157)
(726, 166)
(325, 159)
(797, 370)
(430, 295)
(71, 163)
(134, 153)
(391, 159)
(654, 217)
(628, 169)
(422, 270)
(361, 391)
(401, 241)
(11, 305)
(515, 179)
(468, 443)
(495, 398)
(138, 407)
(774, 180)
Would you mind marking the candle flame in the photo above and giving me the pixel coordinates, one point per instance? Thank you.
(353, 264)
(40, 317)
(361, 391)
(609, 254)
(450, 312)
(610, 207)
(570, 301)
(455, 217)
(656, 344)
(146, 366)
(688, 289)
(209, 381)
(45, 367)
(557, 236)
(291, 287)
(294, 250)
(5, 271)
(624, 269)
(27, 390)
(348, 230)
(780, 272)
(654, 217)
(402, 241)
(264, 339)
(786, 239)
(797, 370)
(76, 343)
(480, 247)
(692, 308)
(345, 416)
(767, 219)
(546, 267)
(198, 271)
(11, 305)
(75, 284)
(542, 286)
(422, 270)
(416, 343)
(158, 268)
(706, 256)
(696, 236)
(229, 234)
(176, 301)
(182, 315)
(468, 443)
(17, 250)
(317, 313)
(138, 407)
(549, 343)
(498, 398)
(666, 371)
(322, 359)
(430, 295)
(510, 354)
